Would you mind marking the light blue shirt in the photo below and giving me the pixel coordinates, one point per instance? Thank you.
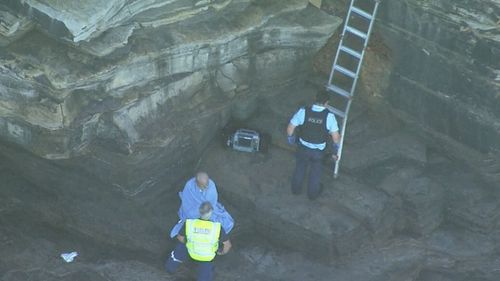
(331, 125)
(191, 198)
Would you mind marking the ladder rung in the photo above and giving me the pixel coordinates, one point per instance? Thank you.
(350, 52)
(335, 111)
(339, 91)
(345, 71)
(362, 13)
(356, 32)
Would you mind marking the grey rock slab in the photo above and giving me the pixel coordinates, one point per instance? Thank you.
(481, 268)
(461, 243)
(131, 271)
(421, 199)
(110, 41)
(72, 202)
(424, 198)
(455, 275)
(371, 206)
(89, 19)
(472, 204)
(444, 67)
(257, 261)
(31, 241)
(346, 216)
(228, 77)
(398, 145)
(444, 266)
(12, 26)
(80, 19)
(397, 260)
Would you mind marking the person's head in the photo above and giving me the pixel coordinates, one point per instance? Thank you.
(202, 180)
(322, 97)
(206, 210)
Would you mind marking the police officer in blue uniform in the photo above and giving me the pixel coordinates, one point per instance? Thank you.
(317, 124)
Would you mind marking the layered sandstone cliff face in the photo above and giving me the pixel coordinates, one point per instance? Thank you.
(444, 69)
(135, 85)
(131, 89)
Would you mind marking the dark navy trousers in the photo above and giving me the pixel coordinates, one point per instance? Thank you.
(180, 255)
(312, 159)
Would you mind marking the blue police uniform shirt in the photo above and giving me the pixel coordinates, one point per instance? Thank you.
(331, 125)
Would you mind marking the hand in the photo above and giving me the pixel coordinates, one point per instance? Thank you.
(291, 140)
(335, 148)
(335, 157)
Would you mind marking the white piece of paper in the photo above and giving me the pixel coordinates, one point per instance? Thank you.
(68, 257)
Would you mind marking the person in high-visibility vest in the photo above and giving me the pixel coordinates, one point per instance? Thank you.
(199, 240)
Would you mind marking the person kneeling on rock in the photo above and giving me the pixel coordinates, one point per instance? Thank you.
(199, 240)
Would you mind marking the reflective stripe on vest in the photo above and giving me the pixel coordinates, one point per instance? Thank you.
(202, 239)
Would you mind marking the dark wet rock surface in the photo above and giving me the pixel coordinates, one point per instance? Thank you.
(420, 217)
(444, 70)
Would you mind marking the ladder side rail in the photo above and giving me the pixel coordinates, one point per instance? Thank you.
(330, 78)
(348, 107)
(341, 144)
(370, 27)
(340, 44)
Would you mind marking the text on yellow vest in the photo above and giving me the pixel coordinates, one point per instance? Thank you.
(202, 239)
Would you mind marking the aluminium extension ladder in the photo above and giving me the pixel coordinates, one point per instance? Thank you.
(348, 59)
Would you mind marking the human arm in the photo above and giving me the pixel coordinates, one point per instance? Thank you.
(297, 120)
(226, 246)
(190, 201)
(333, 130)
(226, 243)
(336, 142)
(181, 238)
(212, 194)
(335, 137)
(289, 131)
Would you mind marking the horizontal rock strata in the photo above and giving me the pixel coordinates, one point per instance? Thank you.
(445, 75)
(131, 88)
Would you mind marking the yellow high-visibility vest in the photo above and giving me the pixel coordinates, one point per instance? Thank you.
(202, 239)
